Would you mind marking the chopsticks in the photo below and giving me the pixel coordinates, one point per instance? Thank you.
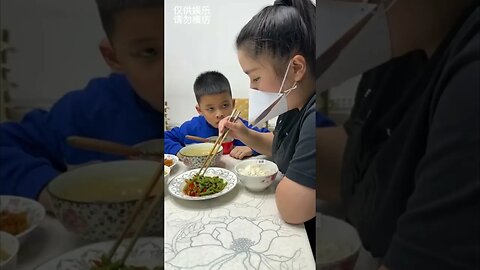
(196, 138)
(232, 118)
(138, 208)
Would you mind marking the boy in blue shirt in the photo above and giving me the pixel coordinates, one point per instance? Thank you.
(126, 107)
(214, 102)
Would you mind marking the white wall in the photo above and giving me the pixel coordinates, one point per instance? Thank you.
(56, 43)
(191, 49)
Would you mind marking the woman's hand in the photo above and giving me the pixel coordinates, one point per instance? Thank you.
(237, 129)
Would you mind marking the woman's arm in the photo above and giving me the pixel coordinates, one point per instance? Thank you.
(258, 141)
(295, 202)
(330, 147)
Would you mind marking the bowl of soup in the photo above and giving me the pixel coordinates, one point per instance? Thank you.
(337, 244)
(9, 246)
(96, 201)
(195, 155)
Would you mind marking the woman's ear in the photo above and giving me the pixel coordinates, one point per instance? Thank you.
(299, 66)
(109, 55)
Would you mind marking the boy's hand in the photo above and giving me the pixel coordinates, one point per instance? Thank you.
(237, 128)
(240, 152)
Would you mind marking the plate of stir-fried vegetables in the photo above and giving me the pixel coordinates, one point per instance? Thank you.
(147, 254)
(192, 186)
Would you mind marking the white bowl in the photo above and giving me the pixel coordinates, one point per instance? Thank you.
(96, 201)
(257, 183)
(171, 157)
(337, 244)
(194, 155)
(35, 212)
(10, 245)
(166, 176)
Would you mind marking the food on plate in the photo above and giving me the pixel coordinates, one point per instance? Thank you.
(199, 185)
(255, 170)
(105, 264)
(3, 255)
(168, 162)
(13, 223)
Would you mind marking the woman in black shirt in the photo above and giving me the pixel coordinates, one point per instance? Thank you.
(410, 173)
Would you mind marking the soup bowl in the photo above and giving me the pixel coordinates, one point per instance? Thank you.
(96, 201)
(195, 155)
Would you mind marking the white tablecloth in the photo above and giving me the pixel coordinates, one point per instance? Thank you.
(239, 230)
(49, 240)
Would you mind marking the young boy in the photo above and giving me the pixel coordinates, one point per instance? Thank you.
(126, 107)
(214, 102)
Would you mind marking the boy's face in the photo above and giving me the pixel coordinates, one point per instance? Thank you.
(137, 51)
(215, 107)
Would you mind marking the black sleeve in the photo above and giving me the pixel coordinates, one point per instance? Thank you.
(440, 228)
(302, 168)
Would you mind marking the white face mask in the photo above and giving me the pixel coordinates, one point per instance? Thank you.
(351, 38)
(264, 106)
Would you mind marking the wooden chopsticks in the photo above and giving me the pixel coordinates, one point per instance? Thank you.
(157, 179)
(211, 156)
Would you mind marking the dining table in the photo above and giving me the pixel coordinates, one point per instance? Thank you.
(49, 240)
(241, 229)
(238, 230)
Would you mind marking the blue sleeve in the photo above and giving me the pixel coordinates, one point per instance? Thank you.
(175, 138)
(32, 152)
(323, 121)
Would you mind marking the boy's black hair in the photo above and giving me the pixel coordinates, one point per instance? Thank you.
(281, 30)
(211, 83)
(108, 9)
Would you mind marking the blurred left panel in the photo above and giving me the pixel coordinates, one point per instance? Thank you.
(81, 134)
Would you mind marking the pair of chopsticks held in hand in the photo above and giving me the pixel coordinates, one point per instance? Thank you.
(211, 156)
(155, 183)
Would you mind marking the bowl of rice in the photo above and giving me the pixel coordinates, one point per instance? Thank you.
(256, 174)
(337, 244)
